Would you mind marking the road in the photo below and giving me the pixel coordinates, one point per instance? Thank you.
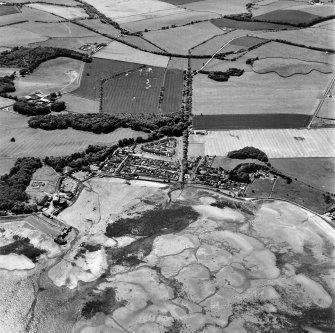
(317, 110)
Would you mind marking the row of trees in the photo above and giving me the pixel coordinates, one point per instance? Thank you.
(13, 185)
(168, 125)
(30, 58)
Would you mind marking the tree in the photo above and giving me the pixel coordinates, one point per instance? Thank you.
(12, 140)
(58, 106)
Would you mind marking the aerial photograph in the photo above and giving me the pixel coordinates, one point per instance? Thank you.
(167, 166)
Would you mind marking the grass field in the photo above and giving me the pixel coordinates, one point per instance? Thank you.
(122, 52)
(252, 26)
(141, 43)
(59, 2)
(173, 91)
(288, 67)
(323, 11)
(250, 121)
(40, 143)
(79, 104)
(11, 37)
(135, 92)
(318, 172)
(328, 107)
(8, 10)
(6, 164)
(298, 94)
(281, 143)
(95, 71)
(210, 46)
(260, 188)
(69, 13)
(247, 41)
(301, 194)
(180, 40)
(178, 63)
(61, 74)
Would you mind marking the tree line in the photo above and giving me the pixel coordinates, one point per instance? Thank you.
(33, 109)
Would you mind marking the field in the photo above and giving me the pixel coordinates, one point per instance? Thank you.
(121, 52)
(8, 10)
(173, 89)
(298, 94)
(325, 10)
(176, 18)
(59, 2)
(79, 104)
(250, 121)
(101, 27)
(328, 108)
(69, 13)
(179, 40)
(40, 143)
(132, 10)
(141, 43)
(210, 46)
(281, 143)
(61, 74)
(11, 37)
(287, 67)
(4, 102)
(135, 92)
(178, 63)
(6, 164)
(95, 71)
(260, 188)
(318, 172)
(264, 7)
(301, 194)
(245, 25)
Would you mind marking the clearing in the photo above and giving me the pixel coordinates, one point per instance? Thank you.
(122, 52)
(276, 143)
(61, 74)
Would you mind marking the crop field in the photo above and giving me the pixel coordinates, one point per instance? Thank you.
(222, 65)
(247, 41)
(135, 92)
(328, 107)
(61, 74)
(95, 71)
(178, 18)
(7, 10)
(79, 104)
(173, 91)
(315, 37)
(122, 52)
(133, 10)
(264, 7)
(276, 143)
(69, 13)
(11, 37)
(178, 63)
(40, 143)
(210, 46)
(227, 23)
(317, 172)
(250, 121)
(71, 43)
(288, 67)
(322, 11)
(180, 40)
(330, 25)
(298, 94)
(103, 28)
(294, 17)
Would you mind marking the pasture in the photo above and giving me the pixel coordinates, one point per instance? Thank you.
(260, 188)
(289, 67)
(298, 94)
(276, 143)
(179, 40)
(122, 52)
(97, 70)
(60, 74)
(68, 13)
(173, 91)
(135, 92)
(318, 172)
(250, 121)
(40, 143)
(8, 10)
(79, 104)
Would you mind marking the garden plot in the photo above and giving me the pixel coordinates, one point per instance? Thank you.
(122, 52)
(132, 10)
(276, 143)
(97, 70)
(135, 92)
(61, 74)
(289, 67)
(69, 13)
(298, 94)
(180, 40)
